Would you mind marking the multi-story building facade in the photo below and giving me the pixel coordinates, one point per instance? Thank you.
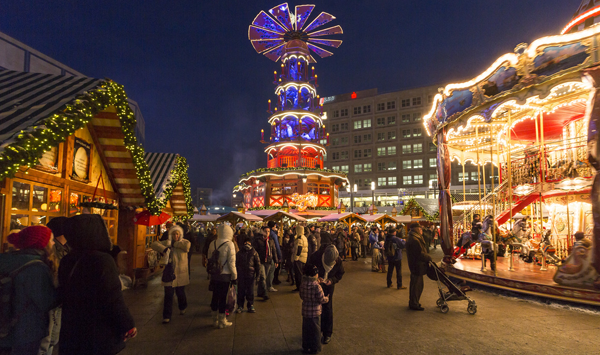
(379, 140)
(203, 197)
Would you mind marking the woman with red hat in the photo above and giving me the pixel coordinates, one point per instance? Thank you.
(31, 268)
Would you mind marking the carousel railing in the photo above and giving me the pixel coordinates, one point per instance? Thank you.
(292, 162)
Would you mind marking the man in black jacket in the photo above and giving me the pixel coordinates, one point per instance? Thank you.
(247, 263)
(331, 271)
(418, 260)
(265, 247)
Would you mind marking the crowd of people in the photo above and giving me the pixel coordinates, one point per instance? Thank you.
(64, 277)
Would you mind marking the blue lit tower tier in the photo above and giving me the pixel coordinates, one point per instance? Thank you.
(296, 144)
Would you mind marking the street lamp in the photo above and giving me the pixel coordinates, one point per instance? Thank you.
(352, 197)
(373, 196)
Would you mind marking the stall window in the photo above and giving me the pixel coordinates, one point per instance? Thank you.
(313, 188)
(290, 188)
(324, 189)
(33, 204)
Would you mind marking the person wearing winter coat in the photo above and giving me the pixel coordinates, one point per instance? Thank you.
(273, 275)
(265, 247)
(175, 250)
(418, 260)
(34, 294)
(95, 319)
(339, 240)
(220, 283)
(300, 255)
(331, 271)
(313, 298)
(393, 251)
(375, 249)
(313, 241)
(188, 234)
(287, 251)
(364, 241)
(247, 264)
(354, 243)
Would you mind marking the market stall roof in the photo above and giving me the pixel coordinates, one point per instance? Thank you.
(236, 217)
(170, 181)
(347, 217)
(384, 218)
(279, 215)
(48, 108)
(205, 217)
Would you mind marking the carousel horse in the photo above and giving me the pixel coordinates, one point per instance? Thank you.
(548, 251)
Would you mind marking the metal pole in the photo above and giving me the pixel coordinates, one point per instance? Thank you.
(509, 173)
(493, 196)
(464, 192)
(478, 167)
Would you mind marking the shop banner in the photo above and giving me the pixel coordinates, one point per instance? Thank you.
(81, 160)
(48, 161)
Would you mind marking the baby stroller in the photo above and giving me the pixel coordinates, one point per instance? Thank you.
(454, 293)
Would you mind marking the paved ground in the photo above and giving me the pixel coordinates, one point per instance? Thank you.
(368, 319)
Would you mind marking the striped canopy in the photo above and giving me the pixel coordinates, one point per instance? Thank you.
(27, 99)
(163, 172)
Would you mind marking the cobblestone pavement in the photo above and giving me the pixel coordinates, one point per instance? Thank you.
(368, 319)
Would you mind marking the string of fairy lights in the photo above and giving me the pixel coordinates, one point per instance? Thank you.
(30, 145)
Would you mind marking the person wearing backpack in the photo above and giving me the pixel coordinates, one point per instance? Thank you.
(28, 297)
(223, 273)
(175, 251)
(90, 292)
(393, 252)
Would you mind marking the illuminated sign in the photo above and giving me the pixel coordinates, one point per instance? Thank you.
(353, 96)
(325, 100)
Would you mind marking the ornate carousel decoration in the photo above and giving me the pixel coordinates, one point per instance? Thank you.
(297, 138)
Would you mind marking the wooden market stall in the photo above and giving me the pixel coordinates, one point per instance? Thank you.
(237, 217)
(347, 218)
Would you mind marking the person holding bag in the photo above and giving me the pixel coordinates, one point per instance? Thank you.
(175, 275)
(223, 273)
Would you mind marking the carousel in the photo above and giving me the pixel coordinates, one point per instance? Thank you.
(295, 146)
(531, 120)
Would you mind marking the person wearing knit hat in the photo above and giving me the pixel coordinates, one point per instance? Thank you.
(418, 260)
(300, 255)
(34, 293)
(331, 270)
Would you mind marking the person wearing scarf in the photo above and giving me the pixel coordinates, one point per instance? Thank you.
(418, 261)
(329, 264)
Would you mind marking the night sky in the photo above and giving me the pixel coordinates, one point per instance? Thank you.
(203, 90)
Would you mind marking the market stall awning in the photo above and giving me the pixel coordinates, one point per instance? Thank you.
(383, 218)
(347, 217)
(170, 181)
(280, 215)
(205, 217)
(236, 217)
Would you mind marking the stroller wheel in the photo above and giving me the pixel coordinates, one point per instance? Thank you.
(439, 302)
(472, 309)
(444, 308)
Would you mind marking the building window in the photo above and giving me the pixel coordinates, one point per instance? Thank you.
(358, 153)
(381, 167)
(357, 124)
(357, 139)
(391, 105)
(391, 120)
(432, 147)
(418, 164)
(392, 165)
(344, 141)
(461, 177)
(323, 141)
(366, 123)
(344, 126)
(418, 148)
(381, 121)
(380, 107)
(367, 168)
(358, 182)
(367, 182)
(418, 179)
(336, 113)
(392, 150)
(474, 176)
(357, 110)
(391, 135)
(335, 141)
(406, 118)
(344, 168)
(406, 149)
(417, 117)
(392, 181)
(417, 132)
(335, 156)
(429, 99)
(407, 180)
(367, 153)
(367, 109)
(406, 133)
(406, 164)
(380, 151)
(344, 112)
(432, 162)
(381, 136)
(335, 167)
(344, 155)
(335, 128)
(358, 168)
(432, 180)
(416, 101)
(367, 137)
(381, 181)
(405, 102)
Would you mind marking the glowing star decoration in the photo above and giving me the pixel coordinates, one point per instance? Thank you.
(303, 202)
